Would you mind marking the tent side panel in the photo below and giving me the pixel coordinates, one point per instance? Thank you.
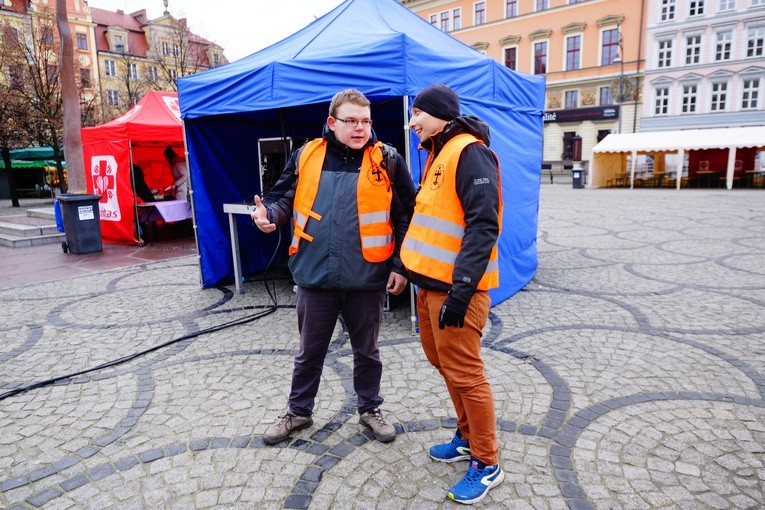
(223, 157)
(518, 145)
(108, 174)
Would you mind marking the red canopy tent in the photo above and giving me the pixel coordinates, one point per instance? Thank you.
(139, 137)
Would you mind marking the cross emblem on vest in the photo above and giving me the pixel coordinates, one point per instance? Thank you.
(377, 173)
(437, 173)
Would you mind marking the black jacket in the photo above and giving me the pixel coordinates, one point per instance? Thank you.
(477, 189)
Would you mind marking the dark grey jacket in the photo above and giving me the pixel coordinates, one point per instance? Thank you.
(334, 260)
(477, 182)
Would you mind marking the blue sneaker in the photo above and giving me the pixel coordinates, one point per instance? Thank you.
(476, 483)
(456, 449)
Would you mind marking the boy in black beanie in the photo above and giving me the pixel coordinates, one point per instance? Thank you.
(450, 251)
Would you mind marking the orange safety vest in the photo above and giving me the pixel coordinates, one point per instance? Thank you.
(435, 233)
(373, 198)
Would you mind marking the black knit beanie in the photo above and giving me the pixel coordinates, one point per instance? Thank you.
(438, 100)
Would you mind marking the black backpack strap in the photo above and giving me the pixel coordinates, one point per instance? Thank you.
(389, 161)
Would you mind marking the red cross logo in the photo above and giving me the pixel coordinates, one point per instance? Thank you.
(104, 182)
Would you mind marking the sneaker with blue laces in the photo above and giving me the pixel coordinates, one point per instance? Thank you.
(476, 483)
(453, 451)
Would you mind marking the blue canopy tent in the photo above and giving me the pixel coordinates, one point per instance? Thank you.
(389, 53)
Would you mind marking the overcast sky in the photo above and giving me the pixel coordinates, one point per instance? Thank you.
(241, 27)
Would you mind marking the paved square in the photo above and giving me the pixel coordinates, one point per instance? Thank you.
(629, 374)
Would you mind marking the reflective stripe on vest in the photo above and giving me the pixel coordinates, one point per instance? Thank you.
(435, 233)
(373, 198)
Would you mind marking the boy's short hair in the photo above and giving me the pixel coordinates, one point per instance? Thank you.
(347, 96)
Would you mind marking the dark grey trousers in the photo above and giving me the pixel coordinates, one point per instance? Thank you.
(317, 312)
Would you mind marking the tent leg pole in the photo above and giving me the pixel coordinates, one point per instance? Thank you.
(408, 154)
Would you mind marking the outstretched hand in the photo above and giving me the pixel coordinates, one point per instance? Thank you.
(260, 217)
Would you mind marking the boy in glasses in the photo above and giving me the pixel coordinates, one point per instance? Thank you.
(350, 199)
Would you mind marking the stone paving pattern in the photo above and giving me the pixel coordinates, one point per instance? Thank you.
(629, 374)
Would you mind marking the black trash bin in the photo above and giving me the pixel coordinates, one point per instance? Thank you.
(82, 223)
(577, 177)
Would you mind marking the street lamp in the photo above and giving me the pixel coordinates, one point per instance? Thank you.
(620, 59)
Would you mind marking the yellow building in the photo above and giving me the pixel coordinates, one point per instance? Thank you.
(590, 51)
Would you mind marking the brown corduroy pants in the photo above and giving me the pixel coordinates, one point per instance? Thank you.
(456, 354)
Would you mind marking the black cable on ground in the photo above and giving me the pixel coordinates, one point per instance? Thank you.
(244, 320)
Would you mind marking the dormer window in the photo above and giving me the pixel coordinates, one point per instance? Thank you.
(118, 40)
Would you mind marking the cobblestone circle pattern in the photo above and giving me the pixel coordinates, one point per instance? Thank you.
(629, 374)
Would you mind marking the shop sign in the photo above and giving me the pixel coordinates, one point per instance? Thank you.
(610, 112)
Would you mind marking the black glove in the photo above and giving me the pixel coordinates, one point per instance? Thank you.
(452, 313)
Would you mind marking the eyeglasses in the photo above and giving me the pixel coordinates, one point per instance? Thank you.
(355, 122)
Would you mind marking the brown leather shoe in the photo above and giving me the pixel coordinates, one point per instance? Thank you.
(383, 431)
(286, 424)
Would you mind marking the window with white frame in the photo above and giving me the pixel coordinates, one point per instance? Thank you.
(511, 58)
(541, 5)
(445, 21)
(119, 44)
(696, 8)
(540, 57)
(113, 98)
(750, 93)
(173, 74)
(456, 19)
(726, 5)
(572, 98)
(110, 69)
(573, 52)
(165, 48)
(755, 38)
(433, 21)
(85, 78)
(690, 97)
(693, 49)
(11, 36)
(82, 41)
(756, 3)
(46, 36)
(511, 8)
(479, 13)
(133, 71)
(665, 53)
(610, 46)
(719, 97)
(153, 74)
(606, 96)
(661, 103)
(667, 10)
(723, 44)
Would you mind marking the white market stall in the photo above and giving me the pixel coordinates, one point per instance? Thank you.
(730, 152)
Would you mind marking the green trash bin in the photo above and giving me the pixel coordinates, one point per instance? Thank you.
(82, 223)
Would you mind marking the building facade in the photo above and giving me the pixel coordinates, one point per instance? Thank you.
(118, 57)
(590, 52)
(137, 54)
(705, 64)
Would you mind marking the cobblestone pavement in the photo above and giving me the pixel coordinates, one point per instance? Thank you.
(629, 374)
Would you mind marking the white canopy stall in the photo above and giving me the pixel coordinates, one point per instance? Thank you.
(609, 157)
